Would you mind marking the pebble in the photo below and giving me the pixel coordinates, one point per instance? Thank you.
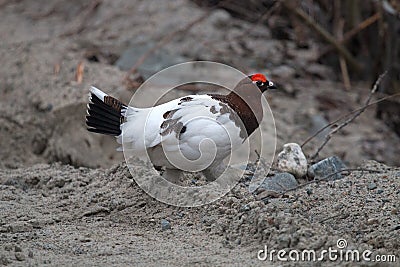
(283, 241)
(292, 160)
(372, 221)
(327, 167)
(17, 248)
(309, 191)
(245, 207)
(379, 191)
(278, 183)
(19, 256)
(165, 224)
(372, 186)
(219, 18)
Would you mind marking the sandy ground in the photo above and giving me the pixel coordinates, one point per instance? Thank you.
(58, 207)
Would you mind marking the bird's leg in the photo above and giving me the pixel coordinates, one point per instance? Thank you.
(214, 171)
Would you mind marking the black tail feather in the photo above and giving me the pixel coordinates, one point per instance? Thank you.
(98, 103)
(99, 119)
(103, 118)
(95, 130)
(97, 111)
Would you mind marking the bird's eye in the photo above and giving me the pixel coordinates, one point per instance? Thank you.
(259, 83)
(270, 84)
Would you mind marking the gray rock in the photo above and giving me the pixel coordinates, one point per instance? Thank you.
(278, 183)
(372, 221)
(19, 256)
(327, 167)
(245, 207)
(165, 224)
(159, 60)
(372, 186)
(219, 18)
(292, 160)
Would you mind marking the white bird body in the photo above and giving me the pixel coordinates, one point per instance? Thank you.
(192, 133)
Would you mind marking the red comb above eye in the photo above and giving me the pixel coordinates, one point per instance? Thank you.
(258, 77)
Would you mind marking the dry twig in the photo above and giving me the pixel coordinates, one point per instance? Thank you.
(79, 72)
(338, 25)
(345, 123)
(350, 34)
(329, 176)
(345, 116)
(324, 34)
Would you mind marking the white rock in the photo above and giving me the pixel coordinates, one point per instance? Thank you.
(292, 160)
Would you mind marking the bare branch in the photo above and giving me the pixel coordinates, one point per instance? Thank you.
(345, 123)
(324, 34)
(347, 115)
(329, 176)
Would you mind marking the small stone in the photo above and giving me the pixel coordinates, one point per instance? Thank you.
(327, 169)
(292, 160)
(17, 248)
(219, 18)
(379, 191)
(283, 241)
(372, 186)
(208, 220)
(372, 221)
(19, 256)
(245, 207)
(309, 191)
(278, 183)
(30, 254)
(165, 224)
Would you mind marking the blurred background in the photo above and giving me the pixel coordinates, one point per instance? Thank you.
(324, 55)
